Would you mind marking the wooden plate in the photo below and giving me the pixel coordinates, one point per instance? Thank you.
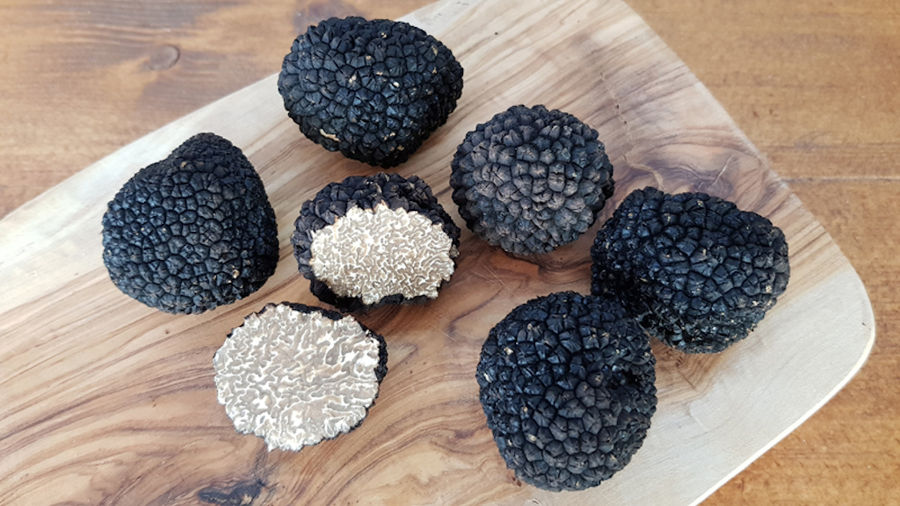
(105, 400)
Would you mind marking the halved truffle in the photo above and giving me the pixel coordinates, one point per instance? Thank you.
(530, 180)
(696, 271)
(567, 385)
(382, 239)
(295, 375)
(373, 90)
(193, 231)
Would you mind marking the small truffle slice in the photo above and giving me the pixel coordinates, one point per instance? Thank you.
(295, 375)
(373, 90)
(531, 180)
(368, 241)
(193, 231)
(696, 271)
(567, 386)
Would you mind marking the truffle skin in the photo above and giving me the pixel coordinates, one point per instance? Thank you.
(697, 272)
(296, 375)
(433, 250)
(373, 90)
(530, 180)
(567, 385)
(193, 231)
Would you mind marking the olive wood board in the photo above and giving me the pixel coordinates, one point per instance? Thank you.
(106, 401)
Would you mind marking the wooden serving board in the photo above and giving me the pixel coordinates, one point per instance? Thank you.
(107, 401)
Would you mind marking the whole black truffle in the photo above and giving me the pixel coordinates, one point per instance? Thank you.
(368, 241)
(530, 180)
(373, 90)
(567, 385)
(296, 375)
(193, 231)
(698, 272)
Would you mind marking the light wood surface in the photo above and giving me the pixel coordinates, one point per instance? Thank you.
(870, 467)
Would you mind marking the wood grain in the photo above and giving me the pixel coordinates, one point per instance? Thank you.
(826, 478)
(814, 86)
(828, 460)
(157, 60)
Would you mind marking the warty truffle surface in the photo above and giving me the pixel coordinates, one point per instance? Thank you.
(697, 272)
(193, 231)
(373, 90)
(531, 179)
(567, 386)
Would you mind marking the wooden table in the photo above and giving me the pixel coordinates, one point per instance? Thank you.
(814, 85)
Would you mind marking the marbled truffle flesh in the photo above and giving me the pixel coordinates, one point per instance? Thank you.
(697, 272)
(193, 231)
(295, 375)
(567, 386)
(382, 239)
(373, 90)
(531, 179)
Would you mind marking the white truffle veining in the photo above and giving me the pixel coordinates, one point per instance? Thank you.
(375, 253)
(296, 375)
(373, 240)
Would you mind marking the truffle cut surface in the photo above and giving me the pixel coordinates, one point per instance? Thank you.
(373, 240)
(374, 253)
(296, 375)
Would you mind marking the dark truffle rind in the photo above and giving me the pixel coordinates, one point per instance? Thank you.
(193, 231)
(530, 180)
(365, 192)
(697, 272)
(567, 385)
(373, 90)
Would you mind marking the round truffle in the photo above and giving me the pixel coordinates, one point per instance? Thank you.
(193, 231)
(373, 90)
(567, 385)
(368, 241)
(295, 375)
(696, 271)
(530, 180)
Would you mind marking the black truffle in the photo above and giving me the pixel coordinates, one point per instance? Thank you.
(193, 231)
(368, 241)
(697, 272)
(264, 391)
(373, 90)
(567, 385)
(530, 180)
